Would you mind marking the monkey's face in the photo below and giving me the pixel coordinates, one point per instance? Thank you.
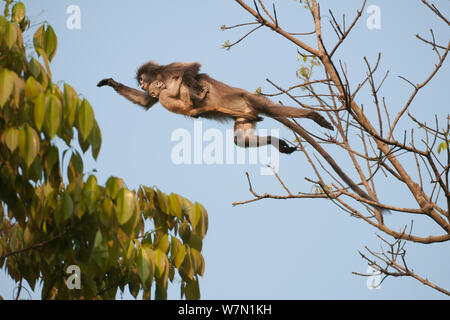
(143, 83)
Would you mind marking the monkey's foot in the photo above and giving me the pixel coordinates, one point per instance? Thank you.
(285, 148)
(320, 120)
(106, 82)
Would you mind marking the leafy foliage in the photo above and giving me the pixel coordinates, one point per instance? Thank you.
(118, 237)
(305, 71)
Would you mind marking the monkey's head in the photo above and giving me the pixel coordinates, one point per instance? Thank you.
(143, 81)
(155, 88)
(146, 74)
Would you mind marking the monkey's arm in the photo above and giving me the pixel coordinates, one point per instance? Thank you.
(134, 95)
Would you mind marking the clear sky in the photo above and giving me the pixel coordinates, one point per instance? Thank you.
(271, 249)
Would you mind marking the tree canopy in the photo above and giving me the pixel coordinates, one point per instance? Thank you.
(49, 222)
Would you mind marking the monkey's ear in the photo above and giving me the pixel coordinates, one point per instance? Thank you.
(193, 68)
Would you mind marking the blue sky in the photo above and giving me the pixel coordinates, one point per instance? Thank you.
(271, 249)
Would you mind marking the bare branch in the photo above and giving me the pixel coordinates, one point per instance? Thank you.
(358, 15)
(417, 88)
(436, 11)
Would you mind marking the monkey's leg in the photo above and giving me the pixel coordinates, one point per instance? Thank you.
(198, 96)
(244, 136)
(247, 116)
(135, 96)
(196, 91)
(291, 112)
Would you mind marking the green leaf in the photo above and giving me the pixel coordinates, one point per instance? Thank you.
(91, 191)
(85, 119)
(162, 201)
(192, 290)
(10, 35)
(113, 186)
(160, 262)
(184, 231)
(84, 144)
(32, 88)
(126, 207)
(164, 243)
(39, 111)
(65, 209)
(53, 116)
(175, 205)
(194, 215)
(40, 44)
(11, 138)
(51, 157)
(198, 219)
(38, 40)
(195, 241)
(100, 250)
(145, 264)
(175, 245)
(29, 143)
(34, 68)
(70, 104)
(95, 140)
(6, 86)
(442, 146)
(50, 42)
(107, 211)
(197, 261)
(19, 86)
(186, 266)
(18, 12)
(27, 236)
(201, 225)
(179, 257)
(35, 170)
(75, 167)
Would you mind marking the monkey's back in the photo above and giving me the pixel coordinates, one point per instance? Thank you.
(224, 96)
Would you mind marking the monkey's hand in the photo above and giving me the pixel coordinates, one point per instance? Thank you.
(107, 82)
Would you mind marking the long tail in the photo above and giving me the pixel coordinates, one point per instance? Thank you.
(273, 110)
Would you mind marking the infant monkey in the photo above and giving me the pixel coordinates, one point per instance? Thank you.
(181, 97)
(177, 95)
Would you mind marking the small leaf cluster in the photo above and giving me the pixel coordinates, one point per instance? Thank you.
(444, 144)
(308, 63)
